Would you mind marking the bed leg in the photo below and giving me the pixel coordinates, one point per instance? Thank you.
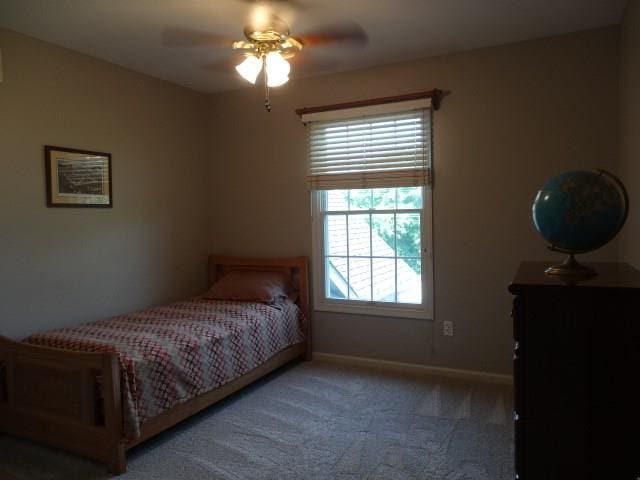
(118, 463)
(117, 459)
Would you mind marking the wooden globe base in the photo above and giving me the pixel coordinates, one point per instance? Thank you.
(570, 268)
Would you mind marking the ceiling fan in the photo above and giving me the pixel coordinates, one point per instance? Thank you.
(268, 44)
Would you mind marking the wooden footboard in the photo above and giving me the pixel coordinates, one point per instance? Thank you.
(51, 396)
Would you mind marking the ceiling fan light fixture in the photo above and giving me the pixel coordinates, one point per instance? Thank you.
(250, 68)
(277, 81)
(268, 43)
(277, 69)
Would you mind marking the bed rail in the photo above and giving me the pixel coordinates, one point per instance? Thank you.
(51, 396)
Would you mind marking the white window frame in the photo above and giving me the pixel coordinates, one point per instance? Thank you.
(363, 307)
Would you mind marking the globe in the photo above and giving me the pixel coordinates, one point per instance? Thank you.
(580, 211)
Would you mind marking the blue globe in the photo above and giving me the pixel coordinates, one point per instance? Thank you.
(580, 211)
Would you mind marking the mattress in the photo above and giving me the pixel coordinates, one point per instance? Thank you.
(173, 353)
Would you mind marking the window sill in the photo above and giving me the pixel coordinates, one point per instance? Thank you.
(377, 310)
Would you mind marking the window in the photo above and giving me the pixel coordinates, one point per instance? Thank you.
(371, 210)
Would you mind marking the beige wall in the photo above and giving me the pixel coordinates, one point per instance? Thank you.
(517, 115)
(192, 176)
(64, 266)
(630, 128)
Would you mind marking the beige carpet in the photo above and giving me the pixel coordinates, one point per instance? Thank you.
(316, 421)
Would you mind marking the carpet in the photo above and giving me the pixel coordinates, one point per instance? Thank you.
(315, 420)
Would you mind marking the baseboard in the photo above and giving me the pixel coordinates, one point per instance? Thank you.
(473, 375)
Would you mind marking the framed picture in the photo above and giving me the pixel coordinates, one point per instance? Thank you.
(77, 178)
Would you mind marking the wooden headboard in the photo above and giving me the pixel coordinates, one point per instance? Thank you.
(297, 268)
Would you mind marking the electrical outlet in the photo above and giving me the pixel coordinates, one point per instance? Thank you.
(448, 328)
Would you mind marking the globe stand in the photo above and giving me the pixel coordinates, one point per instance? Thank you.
(570, 268)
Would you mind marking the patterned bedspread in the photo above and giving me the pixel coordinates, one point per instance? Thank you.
(173, 353)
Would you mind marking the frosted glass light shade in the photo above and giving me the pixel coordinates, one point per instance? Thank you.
(250, 68)
(277, 69)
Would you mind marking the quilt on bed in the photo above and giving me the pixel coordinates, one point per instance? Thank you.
(173, 353)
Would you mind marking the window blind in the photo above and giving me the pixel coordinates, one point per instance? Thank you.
(391, 149)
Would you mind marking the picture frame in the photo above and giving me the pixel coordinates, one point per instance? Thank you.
(77, 178)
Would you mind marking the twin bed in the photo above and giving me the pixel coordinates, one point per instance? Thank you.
(101, 388)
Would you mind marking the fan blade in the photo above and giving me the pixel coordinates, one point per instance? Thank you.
(303, 62)
(184, 37)
(298, 5)
(345, 33)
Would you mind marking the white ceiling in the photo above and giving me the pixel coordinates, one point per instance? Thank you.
(129, 32)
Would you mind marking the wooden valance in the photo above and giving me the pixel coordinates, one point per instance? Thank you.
(435, 95)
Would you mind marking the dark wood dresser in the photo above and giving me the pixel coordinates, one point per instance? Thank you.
(577, 374)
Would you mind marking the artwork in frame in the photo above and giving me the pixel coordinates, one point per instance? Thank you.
(77, 178)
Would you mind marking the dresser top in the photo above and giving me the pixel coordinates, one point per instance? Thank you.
(610, 275)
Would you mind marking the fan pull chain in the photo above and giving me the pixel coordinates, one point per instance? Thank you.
(267, 103)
